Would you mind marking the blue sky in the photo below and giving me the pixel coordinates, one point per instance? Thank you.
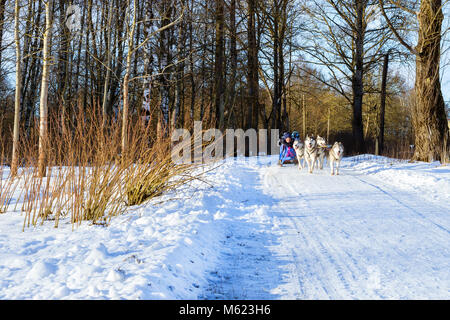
(446, 88)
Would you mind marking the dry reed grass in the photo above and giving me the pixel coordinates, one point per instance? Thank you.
(88, 176)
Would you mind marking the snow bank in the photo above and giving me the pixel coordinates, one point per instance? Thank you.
(157, 251)
(429, 180)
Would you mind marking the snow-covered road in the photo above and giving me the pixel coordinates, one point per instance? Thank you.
(352, 236)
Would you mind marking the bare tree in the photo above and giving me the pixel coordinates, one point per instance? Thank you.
(343, 36)
(381, 112)
(126, 78)
(228, 63)
(43, 104)
(165, 63)
(108, 62)
(14, 161)
(278, 20)
(252, 73)
(178, 111)
(432, 141)
(2, 23)
(219, 64)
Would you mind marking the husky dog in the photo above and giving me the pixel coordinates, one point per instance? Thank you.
(322, 151)
(335, 155)
(310, 152)
(299, 148)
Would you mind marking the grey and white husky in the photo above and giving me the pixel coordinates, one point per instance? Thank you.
(335, 155)
(322, 151)
(299, 148)
(310, 152)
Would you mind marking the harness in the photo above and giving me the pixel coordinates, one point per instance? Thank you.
(310, 151)
(323, 148)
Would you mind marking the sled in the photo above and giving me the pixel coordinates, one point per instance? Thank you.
(287, 155)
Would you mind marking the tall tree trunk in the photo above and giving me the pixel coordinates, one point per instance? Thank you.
(203, 68)
(357, 81)
(108, 64)
(380, 138)
(148, 61)
(126, 82)
(429, 117)
(30, 70)
(78, 61)
(35, 67)
(179, 86)
(31, 96)
(282, 86)
(137, 38)
(114, 94)
(87, 59)
(219, 61)
(252, 74)
(288, 89)
(328, 124)
(2, 23)
(230, 99)
(63, 65)
(94, 86)
(164, 57)
(43, 106)
(276, 102)
(304, 116)
(14, 161)
(282, 89)
(191, 66)
(431, 132)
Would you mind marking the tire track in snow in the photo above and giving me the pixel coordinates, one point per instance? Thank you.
(330, 257)
(301, 264)
(335, 264)
(402, 202)
(365, 214)
(343, 264)
(246, 269)
(336, 237)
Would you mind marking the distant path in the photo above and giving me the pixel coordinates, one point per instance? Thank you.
(316, 236)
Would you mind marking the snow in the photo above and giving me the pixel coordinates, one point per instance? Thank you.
(379, 230)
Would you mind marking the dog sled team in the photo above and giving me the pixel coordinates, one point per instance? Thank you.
(312, 150)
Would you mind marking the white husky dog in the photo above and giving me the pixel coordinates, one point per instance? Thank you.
(299, 148)
(335, 155)
(322, 151)
(310, 152)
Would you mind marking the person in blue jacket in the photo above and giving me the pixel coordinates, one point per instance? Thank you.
(287, 152)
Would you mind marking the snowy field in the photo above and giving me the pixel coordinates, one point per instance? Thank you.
(379, 230)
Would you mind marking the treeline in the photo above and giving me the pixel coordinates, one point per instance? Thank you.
(315, 66)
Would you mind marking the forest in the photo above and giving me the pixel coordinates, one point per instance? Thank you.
(342, 69)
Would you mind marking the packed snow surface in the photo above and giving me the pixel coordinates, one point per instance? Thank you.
(379, 230)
